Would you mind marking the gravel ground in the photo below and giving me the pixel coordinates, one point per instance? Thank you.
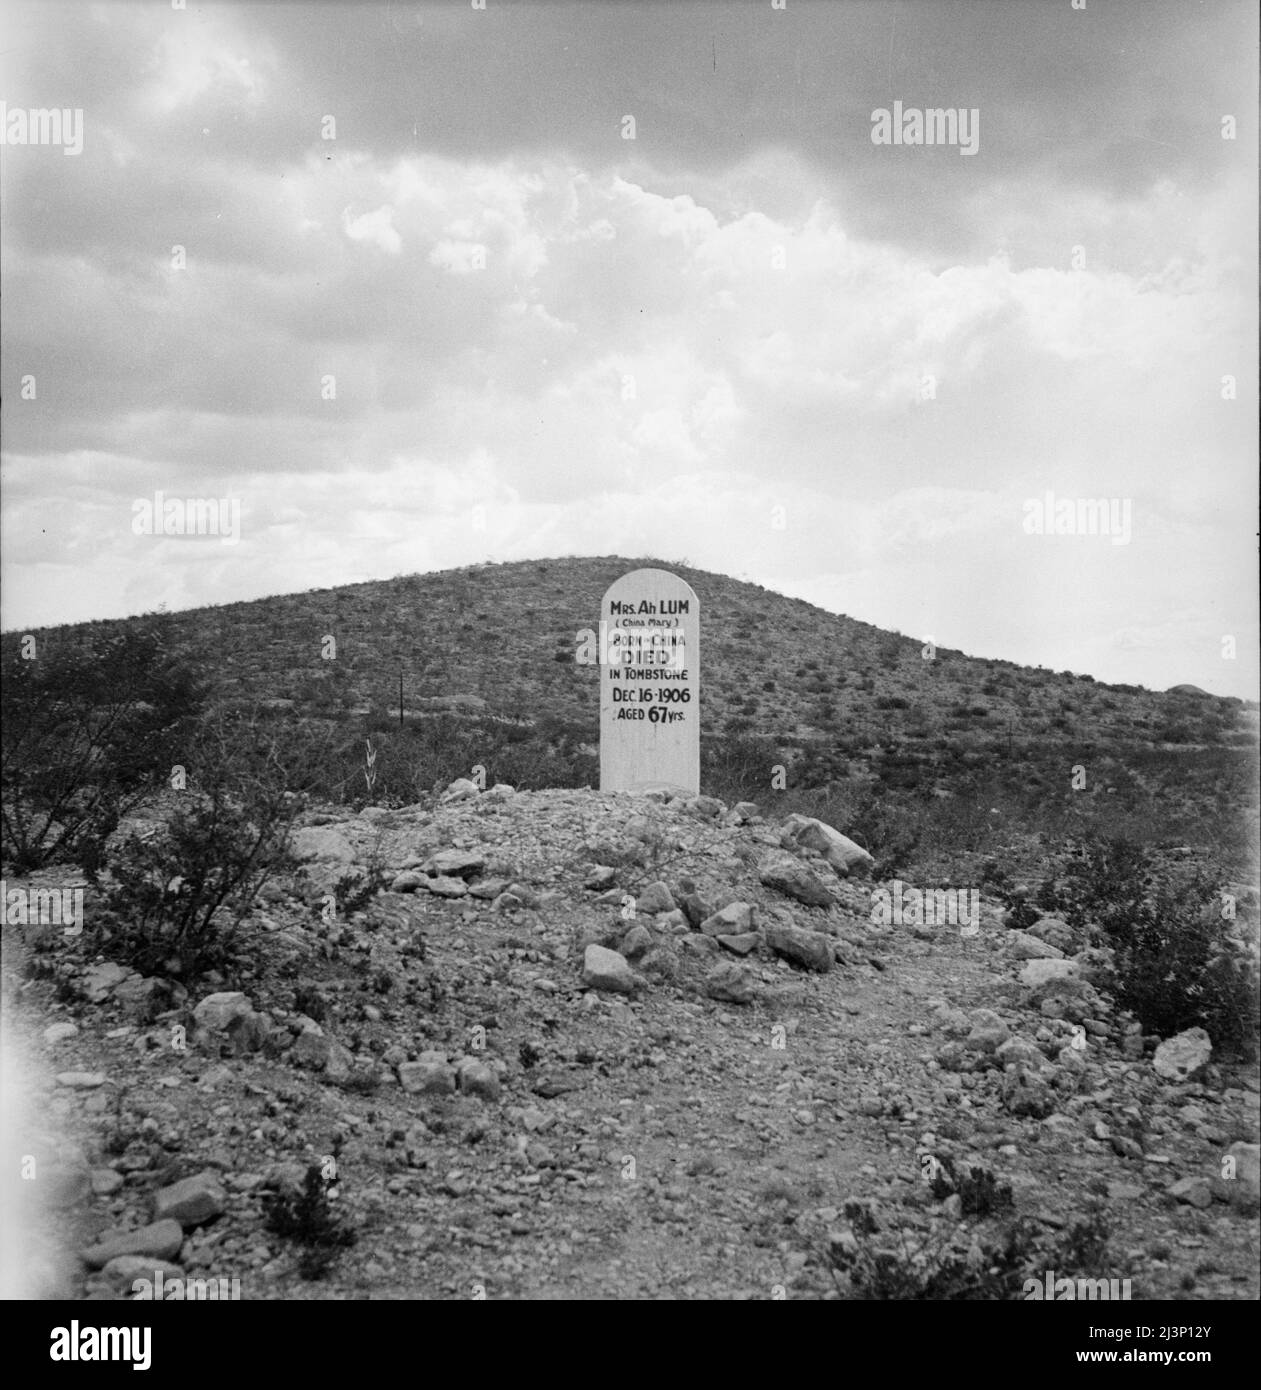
(699, 1136)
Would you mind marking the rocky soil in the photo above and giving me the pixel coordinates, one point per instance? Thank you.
(600, 1046)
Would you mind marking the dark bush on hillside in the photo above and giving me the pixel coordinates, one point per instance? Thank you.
(1021, 914)
(174, 897)
(1106, 880)
(995, 876)
(740, 768)
(1179, 959)
(886, 825)
(85, 735)
(889, 828)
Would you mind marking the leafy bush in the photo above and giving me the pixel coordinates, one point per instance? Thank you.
(888, 829)
(1047, 897)
(922, 1269)
(1109, 878)
(739, 768)
(1021, 914)
(85, 732)
(309, 1001)
(1177, 960)
(994, 875)
(175, 896)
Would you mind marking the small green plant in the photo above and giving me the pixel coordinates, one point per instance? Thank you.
(309, 1219)
(370, 765)
(122, 1132)
(980, 1192)
(309, 1001)
(1084, 1247)
(353, 891)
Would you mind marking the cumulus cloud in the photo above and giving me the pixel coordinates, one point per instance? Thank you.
(375, 228)
(205, 59)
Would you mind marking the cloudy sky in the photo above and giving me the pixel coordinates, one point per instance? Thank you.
(434, 306)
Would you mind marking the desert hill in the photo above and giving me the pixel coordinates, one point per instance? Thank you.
(771, 665)
(856, 715)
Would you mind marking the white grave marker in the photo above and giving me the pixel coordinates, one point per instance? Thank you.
(650, 724)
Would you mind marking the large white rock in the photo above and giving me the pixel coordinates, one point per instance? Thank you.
(731, 920)
(1039, 972)
(216, 1011)
(160, 1239)
(322, 843)
(805, 832)
(730, 983)
(455, 863)
(477, 1078)
(788, 875)
(1023, 946)
(429, 1075)
(191, 1201)
(100, 981)
(605, 969)
(655, 898)
(811, 949)
(1182, 1057)
(988, 1033)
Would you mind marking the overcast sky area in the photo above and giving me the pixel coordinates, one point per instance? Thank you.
(749, 338)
